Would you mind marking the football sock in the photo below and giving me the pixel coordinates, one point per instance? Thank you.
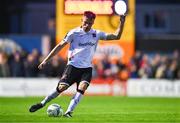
(51, 96)
(74, 101)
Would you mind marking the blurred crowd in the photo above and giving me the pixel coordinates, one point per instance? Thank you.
(155, 65)
(141, 65)
(21, 64)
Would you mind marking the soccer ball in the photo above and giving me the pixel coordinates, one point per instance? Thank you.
(54, 110)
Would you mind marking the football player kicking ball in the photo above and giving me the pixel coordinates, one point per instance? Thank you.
(83, 41)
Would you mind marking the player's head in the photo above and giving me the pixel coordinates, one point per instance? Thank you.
(88, 20)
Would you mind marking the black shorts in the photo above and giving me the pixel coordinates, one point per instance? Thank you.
(72, 74)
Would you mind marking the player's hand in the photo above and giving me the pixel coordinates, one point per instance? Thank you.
(122, 18)
(41, 66)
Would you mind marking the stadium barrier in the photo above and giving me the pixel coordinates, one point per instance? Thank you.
(42, 87)
(133, 87)
(153, 87)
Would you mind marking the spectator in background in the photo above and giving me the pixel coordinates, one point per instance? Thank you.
(123, 72)
(136, 59)
(36, 55)
(57, 66)
(99, 69)
(145, 70)
(114, 68)
(155, 63)
(160, 73)
(31, 66)
(172, 70)
(134, 65)
(176, 56)
(133, 71)
(17, 65)
(4, 67)
(120, 65)
(106, 66)
(161, 70)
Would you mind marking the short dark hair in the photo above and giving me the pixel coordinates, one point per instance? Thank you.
(90, 14)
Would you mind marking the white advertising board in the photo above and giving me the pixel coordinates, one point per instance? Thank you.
(153, 87)
(43, 86)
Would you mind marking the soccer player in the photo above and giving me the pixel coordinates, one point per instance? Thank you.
(83, 41)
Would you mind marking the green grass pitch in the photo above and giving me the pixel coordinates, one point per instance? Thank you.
(99, 109)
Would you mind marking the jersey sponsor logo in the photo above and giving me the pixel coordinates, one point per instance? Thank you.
(86, 44)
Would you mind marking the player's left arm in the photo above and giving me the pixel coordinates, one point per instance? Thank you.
(117, 34)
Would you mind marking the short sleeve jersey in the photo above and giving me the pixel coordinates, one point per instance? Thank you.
(82, 46)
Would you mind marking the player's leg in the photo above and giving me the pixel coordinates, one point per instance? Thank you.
(60, 88)
(81, 88)
(76, 98)
(54, 94)
(63, 84)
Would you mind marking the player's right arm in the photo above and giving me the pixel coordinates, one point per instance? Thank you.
(53, 52)
(67, 39)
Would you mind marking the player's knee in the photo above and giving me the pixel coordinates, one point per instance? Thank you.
(61, 87)
(82, 87)
(80, 91)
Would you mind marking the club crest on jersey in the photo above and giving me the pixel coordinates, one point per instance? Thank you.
(94, 34)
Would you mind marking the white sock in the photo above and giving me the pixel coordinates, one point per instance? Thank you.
(51, 96)
(74, 101)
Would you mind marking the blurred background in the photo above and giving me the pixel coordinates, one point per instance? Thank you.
(144, 62)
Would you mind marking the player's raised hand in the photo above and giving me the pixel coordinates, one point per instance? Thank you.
(41, 66)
